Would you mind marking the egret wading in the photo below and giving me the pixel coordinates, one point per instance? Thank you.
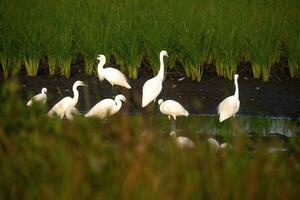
(106, 107)
(71, 112)
(39, 98)
(230, 106)
(153, 86)
(181, 141)
(66, 103)
(172, 109)
(112, 75)
(215, 146)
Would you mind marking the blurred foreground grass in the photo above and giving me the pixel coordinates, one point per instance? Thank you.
(42, 158)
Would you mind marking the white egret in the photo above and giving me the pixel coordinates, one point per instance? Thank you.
(172, 108)
(112, 75)
(215, 146)
(153, 86)
(230, 106)
(39, 98)
(182, 142)
(106, 107)
(70, 112)
(63, 105)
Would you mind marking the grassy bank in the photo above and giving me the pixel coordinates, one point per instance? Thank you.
(194, 32)
(42, 158)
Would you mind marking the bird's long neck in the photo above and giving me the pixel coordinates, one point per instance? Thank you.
(100, 69)
(160, 74)
(118, 104)
(76, 95)
(236, 93)
(100, 66)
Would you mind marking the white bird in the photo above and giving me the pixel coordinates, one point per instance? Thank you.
(215, 146)
(172, 108)
(70, 112)
(153, 86)
(66, 103)
(39, 98)
(106, 107)
(112, 75)
(182, 142)
(230, 106)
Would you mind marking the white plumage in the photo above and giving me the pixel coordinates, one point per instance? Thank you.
(182, 142)
(215, 146)
(172, 108)
(70, 112)
(63, 105)
(39, 98)
(112, 75)
(230, 106)
(153, 86)
(106, 107)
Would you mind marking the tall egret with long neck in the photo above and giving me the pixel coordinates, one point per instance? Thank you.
(230, 106)
(39, 98)
(112, 75)
(153, 86)
(66, 103)
(106, 107)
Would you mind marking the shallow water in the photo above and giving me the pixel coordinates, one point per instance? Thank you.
(265, 99)
(210, 125)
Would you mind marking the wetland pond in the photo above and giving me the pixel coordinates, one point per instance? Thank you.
(266, 107)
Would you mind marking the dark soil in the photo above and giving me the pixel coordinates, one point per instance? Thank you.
(277, 98)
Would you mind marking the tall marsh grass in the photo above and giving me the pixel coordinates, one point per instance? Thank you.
(42, 158)
(193, 32)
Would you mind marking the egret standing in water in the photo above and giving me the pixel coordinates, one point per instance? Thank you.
(215, 145)
(66, 103)
(71, 112)
(181, 141)
(172, 109)
(106, 107)
(112, 75)
(153, 86)
(230, 106)
(39, 98)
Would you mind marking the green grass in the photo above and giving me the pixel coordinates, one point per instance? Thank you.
(42, 158)
(193, 32)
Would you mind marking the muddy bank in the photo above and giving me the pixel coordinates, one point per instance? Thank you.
(273, 98)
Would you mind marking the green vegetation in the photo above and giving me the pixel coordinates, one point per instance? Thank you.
(42, 158)
(194, 32)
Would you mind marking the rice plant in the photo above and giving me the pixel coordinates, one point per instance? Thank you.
(195, 39)
(93, 27)
(60, 40)
(193, 32)
(127, 44)
(158, 32)
(10, 44)
(292, 41)
(52, 62)
(5, 65)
